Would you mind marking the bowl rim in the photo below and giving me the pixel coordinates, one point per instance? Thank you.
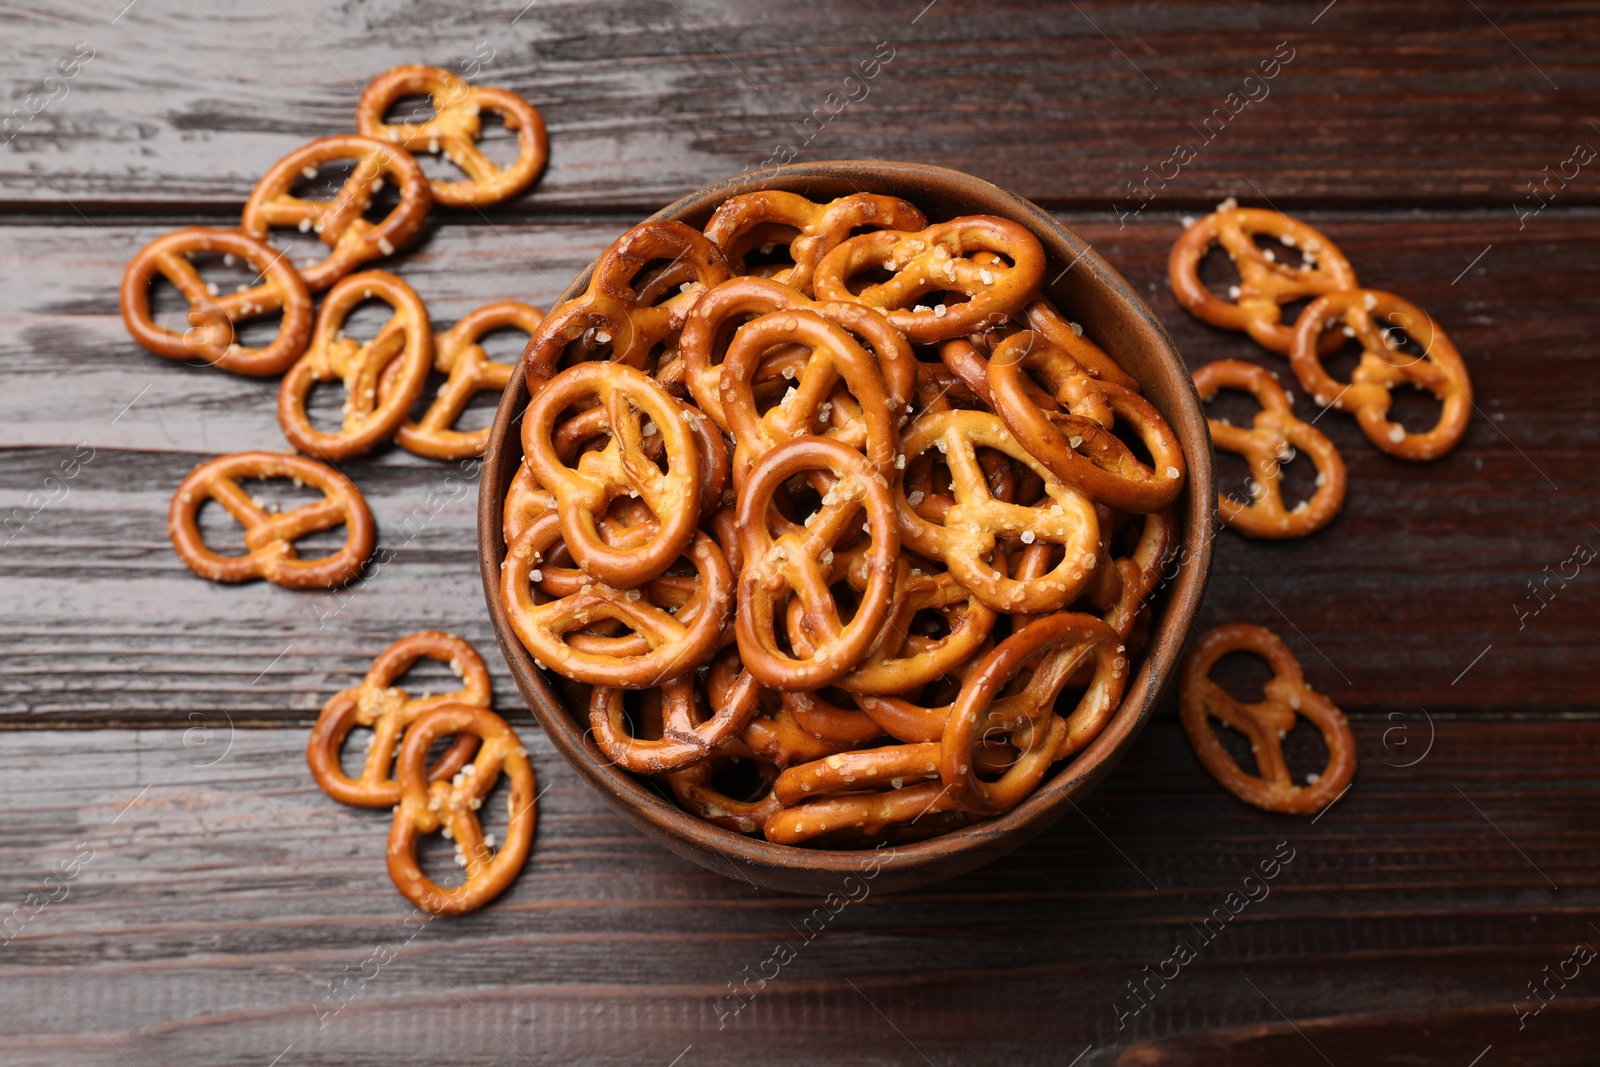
(782, 866)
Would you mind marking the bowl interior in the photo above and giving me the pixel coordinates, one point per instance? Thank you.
(1088, 291)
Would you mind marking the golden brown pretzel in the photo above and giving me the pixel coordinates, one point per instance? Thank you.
(1106, 470)
(1056, 645)
(1439, 370)
(1269, 443)
(687, 736)
(934, 260)
(966, 539)
(674, 646)
(741, 297)
(457, 353)
(1044, 319)
(835, 356)
(212, 316)
(341, 222)
(583, 493)
(1265, 723)
(695, 791)
(451, 806)
(792, 562)
(369, 418)
(455, 128)
(612, 314)
(868, 813)
(1265, 284)
(742, 223)
(387, 711)
(269, 536)
(899, 660)
(1140, 573)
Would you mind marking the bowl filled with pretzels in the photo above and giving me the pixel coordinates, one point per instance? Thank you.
(846, 517)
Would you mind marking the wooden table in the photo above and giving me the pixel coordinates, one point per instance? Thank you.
(223, 911)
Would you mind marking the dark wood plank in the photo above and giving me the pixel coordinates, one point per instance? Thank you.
(1065, 103)
(221, 900)
(1426, 568)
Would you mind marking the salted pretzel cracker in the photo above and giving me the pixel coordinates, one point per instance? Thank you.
(1266, 723)
(269, 536)
(1105, 469)
(1271, 441)
(792, 562)
(822, 715)
(1383, 366)
(741, 224)
(341, 222)
(1141, 572)
(429, 806)
(688, 736)
(377, 704)
(674, 645)
(1265, 283)
(834, 357)
(612, 314)
(369, 418)
(632, 402)
(212, 316)
(1056, 646)
(455, 128)
(899, 660)
(694, 789)
(458, 354)
(939, 259)
(753, 297)
(966, 538)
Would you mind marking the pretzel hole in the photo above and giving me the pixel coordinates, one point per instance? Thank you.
(766, 248)
(1234, 477)
(331, 175)
(1341, 363)
(929, 623)
(1237, 746)
(1413, 407)
(1218, 273)
(1243, 676)
(866, 278)
(1128, 434)
(1304, 751)
(1297, 478)
(416, 110)
(1408, 339)
(740, 779)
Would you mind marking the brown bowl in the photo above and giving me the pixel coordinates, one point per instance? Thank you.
(1088, 291)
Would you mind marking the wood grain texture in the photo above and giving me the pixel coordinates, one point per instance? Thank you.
(226, 896)
(1064, 103)
(1425, 569)
(220, 902)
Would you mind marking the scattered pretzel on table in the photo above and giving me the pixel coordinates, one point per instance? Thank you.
(212, 316)
(455, 128)
(459, 354)
(429, 805)
(1383, 366)
(270, 535)
(375, 703)
(1269, 443)
(369, 418)
(1265, 723)
(341, 223)
(1265, 283)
